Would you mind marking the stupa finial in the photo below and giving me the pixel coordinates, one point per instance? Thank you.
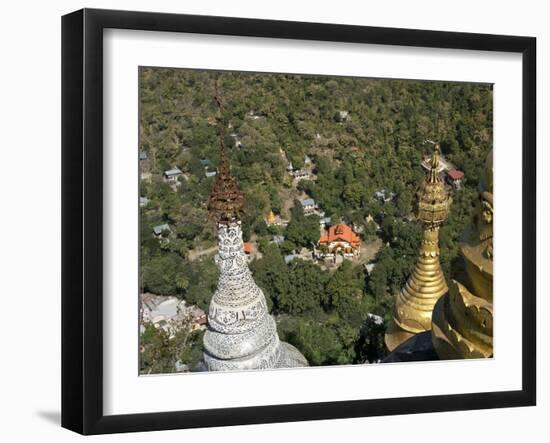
(434, 170)
(226, 202)
(432, 200)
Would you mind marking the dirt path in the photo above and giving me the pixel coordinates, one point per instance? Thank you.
(197, 253)
(369, 250)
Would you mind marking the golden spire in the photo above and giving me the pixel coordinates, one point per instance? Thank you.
(426, 284)
(462, 324)
(271, 219)
(226, 202)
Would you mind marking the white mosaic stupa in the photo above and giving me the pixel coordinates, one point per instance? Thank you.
(241, 333)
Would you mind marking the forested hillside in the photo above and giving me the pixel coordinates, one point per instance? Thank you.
(361, 136)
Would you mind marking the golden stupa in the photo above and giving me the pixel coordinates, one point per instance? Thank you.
(426, 284)
(463, 319)
(271, 218)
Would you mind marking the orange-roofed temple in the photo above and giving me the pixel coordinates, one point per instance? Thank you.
(339, 239)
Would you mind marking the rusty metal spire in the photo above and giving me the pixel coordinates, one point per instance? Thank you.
(226, 202)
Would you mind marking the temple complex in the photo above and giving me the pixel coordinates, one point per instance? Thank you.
(426, 284)
(463, 319)
(339, 239)
(240, 333)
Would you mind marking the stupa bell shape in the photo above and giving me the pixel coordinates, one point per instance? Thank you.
(462, 324)
(241, 334)
(415, 302)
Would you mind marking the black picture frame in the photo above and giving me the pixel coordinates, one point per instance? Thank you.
(82, 215)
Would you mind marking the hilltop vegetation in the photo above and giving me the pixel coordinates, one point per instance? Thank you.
(377, 143)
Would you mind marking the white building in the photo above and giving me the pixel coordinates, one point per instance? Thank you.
(343, 116)
(384, 195)
(160, 229)
(309, 206)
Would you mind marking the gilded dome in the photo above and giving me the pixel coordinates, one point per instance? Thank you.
(432, 201)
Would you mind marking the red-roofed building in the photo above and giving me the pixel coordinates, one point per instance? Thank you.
(454, 177)
(247, 248)
(339, 239)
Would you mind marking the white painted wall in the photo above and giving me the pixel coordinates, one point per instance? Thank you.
(30, 110)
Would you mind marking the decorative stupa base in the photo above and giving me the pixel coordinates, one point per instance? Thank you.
(239, 352)
(462, 325)
(290, 357)
(282, 356)
(445, 349)
(395, 336)
(241, 334)
(418, 348)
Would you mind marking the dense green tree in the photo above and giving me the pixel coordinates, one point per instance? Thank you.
(162, 274)
(271, 274)
(160, 352)
(303, 231)
(344, 292)
(370, 346)
(307, 286)
(319, 344)
(203, 279)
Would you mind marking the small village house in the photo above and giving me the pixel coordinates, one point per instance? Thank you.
(253, 115)
(198, 318)
(343, 116)
(308, 206)
(454, 178)
(289, 258)
(247, 248)
(384, 195)
(325, 222)
(172, 175)
(278, 239)
(301, 174)
(143, 201)
(159, 230)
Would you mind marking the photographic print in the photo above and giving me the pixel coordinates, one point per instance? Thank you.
(291, 220)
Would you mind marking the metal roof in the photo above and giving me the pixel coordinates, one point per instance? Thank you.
(161, 228)
(172, 172)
